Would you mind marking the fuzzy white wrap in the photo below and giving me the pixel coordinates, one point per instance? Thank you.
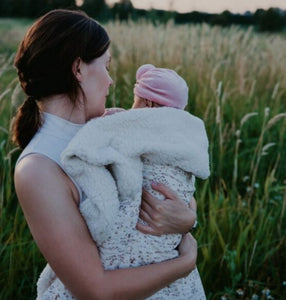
(118, 141)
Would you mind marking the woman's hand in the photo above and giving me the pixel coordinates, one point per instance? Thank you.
(189, 250)
(172, 215)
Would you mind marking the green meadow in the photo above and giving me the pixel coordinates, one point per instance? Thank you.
(237, 85)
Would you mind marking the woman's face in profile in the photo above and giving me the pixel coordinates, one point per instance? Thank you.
(95, 82)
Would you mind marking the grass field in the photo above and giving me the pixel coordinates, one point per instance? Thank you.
(237, 83)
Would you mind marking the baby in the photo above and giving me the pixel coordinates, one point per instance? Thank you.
(157, 87)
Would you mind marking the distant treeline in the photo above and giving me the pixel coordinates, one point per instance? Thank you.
(273, 19)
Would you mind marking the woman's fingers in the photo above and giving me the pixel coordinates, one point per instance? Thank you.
(193, 204)
(146, 229)
(149, 199)
(171, 215)
(188, 245)
(153, 214)
(144, 216)
(166, 191)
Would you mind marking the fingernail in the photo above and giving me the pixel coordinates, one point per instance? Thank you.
(154, 183)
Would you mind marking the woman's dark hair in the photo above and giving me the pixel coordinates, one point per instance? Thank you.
(44, 63)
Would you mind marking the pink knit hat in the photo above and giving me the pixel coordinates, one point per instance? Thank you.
(162, 86)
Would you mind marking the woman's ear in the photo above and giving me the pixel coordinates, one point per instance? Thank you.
(76, 68)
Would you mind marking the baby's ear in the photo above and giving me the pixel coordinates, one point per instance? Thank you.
(148, 103)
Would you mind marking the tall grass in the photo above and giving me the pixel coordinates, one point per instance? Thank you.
(237, 84)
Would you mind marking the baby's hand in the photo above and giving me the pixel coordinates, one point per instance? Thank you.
(112, 110)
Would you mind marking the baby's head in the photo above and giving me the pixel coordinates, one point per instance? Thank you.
(159, 87)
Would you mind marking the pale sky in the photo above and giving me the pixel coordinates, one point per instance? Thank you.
(212, 6)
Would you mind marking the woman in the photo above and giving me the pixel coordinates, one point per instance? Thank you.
(62, 65)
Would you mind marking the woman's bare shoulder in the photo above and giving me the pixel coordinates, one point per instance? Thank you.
(34, 164)
(36, 174)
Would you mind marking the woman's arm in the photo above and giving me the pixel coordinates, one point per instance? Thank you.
(48, 200)
(172, 215)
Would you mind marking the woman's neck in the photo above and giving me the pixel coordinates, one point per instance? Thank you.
(61, 106)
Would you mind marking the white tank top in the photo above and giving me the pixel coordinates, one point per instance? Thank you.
(51, 139)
